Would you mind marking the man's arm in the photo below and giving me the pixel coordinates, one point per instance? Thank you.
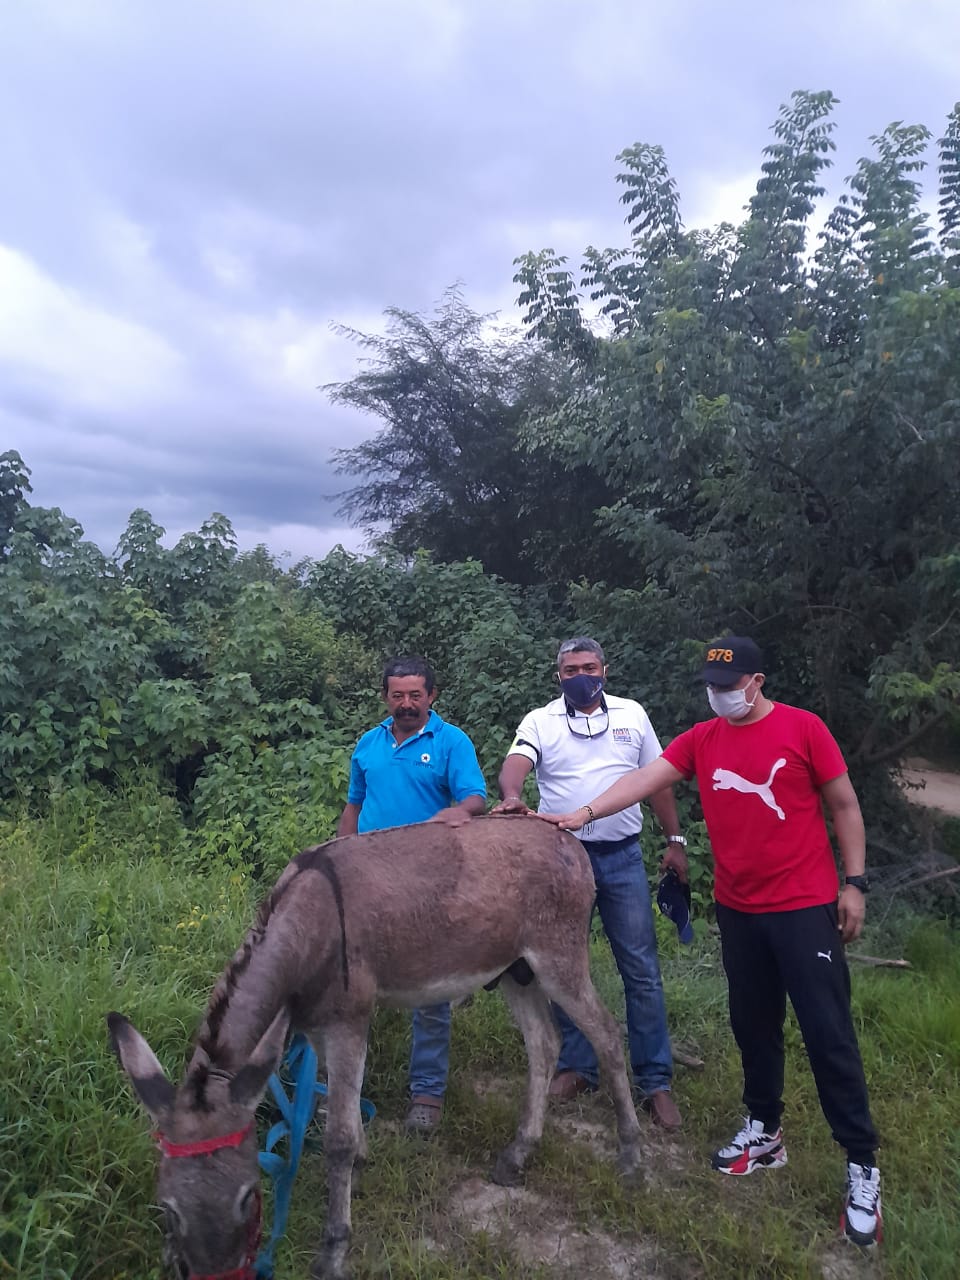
(844, 809)
(512, 777)
(664, 805)
(636, 785)
(349, 820)
(464, 778)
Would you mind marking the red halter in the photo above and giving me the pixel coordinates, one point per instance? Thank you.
(179, 1150)
(174, 1150)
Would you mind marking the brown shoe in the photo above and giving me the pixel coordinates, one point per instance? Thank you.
(662, 1109)
(567, 1085)
(424, 1114)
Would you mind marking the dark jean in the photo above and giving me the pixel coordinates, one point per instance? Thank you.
(430, 1051)
(623, 900)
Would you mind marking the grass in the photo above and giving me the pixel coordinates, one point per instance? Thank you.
(81, 933)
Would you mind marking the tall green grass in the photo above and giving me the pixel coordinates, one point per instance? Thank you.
(86, 927)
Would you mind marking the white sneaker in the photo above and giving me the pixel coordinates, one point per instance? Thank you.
(861, 1220)
(752, 1148)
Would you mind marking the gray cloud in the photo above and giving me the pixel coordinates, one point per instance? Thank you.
(196, 191)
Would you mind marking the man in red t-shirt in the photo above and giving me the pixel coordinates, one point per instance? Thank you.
(764, 770)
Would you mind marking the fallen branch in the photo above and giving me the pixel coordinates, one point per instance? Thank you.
(687, 1060)
(879, 961)
(934, 875)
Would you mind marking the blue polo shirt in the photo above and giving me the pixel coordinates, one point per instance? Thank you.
(410, 782)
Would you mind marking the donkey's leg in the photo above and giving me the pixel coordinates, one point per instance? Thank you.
(531, 1009)
(569, 983)
(360, 1159)
(346, 1051)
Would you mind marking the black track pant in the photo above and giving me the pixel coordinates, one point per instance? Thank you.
(797, 953)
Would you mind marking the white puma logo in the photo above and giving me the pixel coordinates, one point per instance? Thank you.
(825, 955)
(725, 779)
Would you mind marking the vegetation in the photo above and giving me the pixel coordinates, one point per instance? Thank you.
(85, 927)
(759, 434)
(444, 471)
(775, 421)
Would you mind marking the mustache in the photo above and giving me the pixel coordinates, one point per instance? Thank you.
(406, 712)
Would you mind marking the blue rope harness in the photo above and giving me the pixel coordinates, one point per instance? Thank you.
(296, 1112)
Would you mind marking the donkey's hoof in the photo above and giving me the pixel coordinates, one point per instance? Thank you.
(506, 1171)
(324, 1269)
(629, 1161)
(331, 1262)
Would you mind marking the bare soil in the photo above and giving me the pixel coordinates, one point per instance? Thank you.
(539, 1231)
(931, 787)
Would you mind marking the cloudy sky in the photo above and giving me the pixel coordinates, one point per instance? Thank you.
(196, 191)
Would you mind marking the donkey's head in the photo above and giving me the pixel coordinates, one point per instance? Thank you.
(209, 1180)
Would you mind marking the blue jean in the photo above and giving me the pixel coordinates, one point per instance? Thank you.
(623, 900)
(430, 1051)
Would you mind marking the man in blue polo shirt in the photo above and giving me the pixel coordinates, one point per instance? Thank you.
(414, 767)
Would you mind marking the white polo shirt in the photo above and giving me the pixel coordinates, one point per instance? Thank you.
(572, 769)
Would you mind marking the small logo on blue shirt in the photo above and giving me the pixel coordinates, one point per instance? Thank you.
(425, 758)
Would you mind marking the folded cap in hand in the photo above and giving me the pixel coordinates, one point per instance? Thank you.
(673, 899)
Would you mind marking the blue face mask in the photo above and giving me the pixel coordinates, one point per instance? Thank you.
(582, 691)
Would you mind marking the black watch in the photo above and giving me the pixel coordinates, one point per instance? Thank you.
(858, 882)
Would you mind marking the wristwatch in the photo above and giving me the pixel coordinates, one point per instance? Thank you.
(858, 882)
(677, 840)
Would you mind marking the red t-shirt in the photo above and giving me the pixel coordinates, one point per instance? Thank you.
(760, 790)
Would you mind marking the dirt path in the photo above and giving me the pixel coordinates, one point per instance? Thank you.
(941, 790)
(544, 1233)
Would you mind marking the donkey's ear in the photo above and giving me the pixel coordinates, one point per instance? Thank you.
(247, 1086)
(140, 1063)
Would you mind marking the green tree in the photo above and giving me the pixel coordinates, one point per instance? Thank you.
(779, 423)
(443, 473)
(14, 483)
(159, 658)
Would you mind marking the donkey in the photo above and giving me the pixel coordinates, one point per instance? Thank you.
(408, 916)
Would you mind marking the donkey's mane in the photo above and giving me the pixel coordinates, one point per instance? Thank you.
(208, 1038)
(197, 1081)
(315, 858)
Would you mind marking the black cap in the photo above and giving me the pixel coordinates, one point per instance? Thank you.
(728, 659)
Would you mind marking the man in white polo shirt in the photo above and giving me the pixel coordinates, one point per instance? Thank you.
(579, 741)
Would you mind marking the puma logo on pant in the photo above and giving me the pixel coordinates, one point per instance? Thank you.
(825, 955)
(726, 779)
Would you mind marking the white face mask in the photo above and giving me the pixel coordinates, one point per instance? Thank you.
(731, 704)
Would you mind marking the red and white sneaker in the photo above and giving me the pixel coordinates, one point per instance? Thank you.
(752, 1148)
(861, 1220)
